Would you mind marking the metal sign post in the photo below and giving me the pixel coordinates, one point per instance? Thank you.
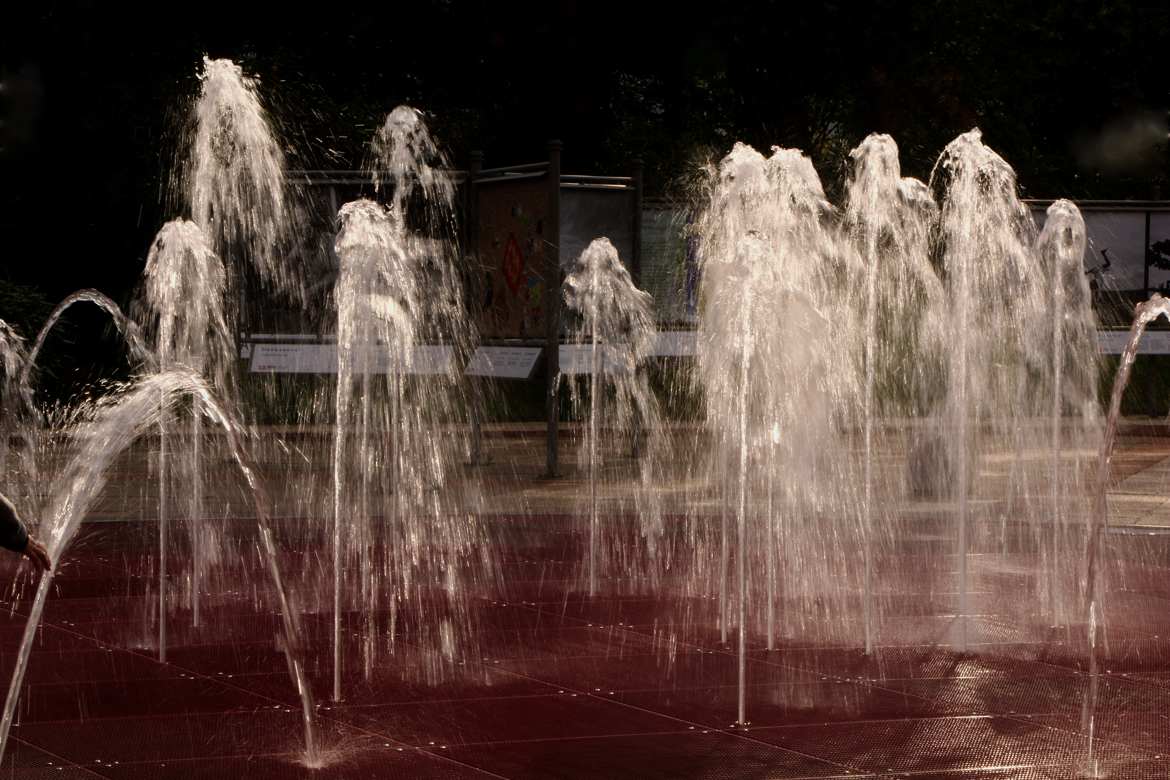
(552, 309)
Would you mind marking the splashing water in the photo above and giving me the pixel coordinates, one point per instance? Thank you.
(377, 299)
(13, 355)
(232, 179)
(1098, 520)
(997, 307)
(769, 362)
(888, 219)
(182, 302)
(1072, 373)
(616, 321)
(827, 336)
(401, 326)
(131, 334)
(104, 432)
(405, 152)
(16, 402)
(820, 327)
(128, 328)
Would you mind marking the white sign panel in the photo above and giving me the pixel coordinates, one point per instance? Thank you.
(578, 359)
(1154, 342)
(432, 360)
(676, 343)
(294, 358)
(503, 362)
(322, 359)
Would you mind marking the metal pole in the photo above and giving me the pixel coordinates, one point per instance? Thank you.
(963, 465)
(162, 540)
(770, 551)
(636, 257)
(724, 618)
(742, 544)
(196, 519)
(1054, 447)
(1146, 256)
(342, 404)
(552, 309)
(639, 431)
(594, 389)
(867, 501)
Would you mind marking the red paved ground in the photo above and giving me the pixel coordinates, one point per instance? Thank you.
(572, 687)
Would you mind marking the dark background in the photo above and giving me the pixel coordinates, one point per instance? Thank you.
(1073, 94)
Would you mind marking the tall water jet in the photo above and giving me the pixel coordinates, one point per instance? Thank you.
(889, 220)
(770, 367)
(104, 431)
(377, 299)
(401, 328)
(231, 181)
(1073, 374)
(998, 308)
(1098, 522)
(182, 304)
(614, 319)
(407, 158)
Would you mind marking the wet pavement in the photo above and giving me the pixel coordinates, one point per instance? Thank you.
(623, 684)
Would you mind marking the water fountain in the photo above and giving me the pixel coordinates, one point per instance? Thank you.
(401, 326)
(889, 221)
(1098, 521)
(182, 303)
(830, 340)
(15, 396)
(127, 328)
(773, 373)
(1073, 374)
(614, 321)
(793, 364)
(997, 309)
(230, 179)
(104, 430)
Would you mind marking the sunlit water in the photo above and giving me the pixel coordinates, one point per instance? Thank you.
(231, 180)
(182, 303)
(103, 431)
(406, 544)
(612, 323)
(930, 320)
